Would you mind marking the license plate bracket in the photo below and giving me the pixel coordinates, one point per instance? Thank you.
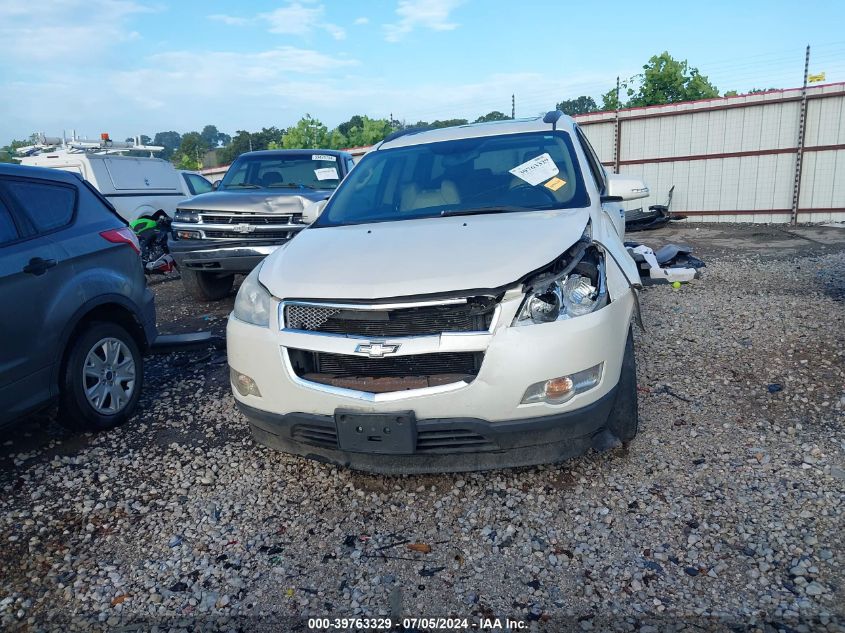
(383, 433)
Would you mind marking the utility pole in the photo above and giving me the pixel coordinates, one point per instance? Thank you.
(616, 136)
(513, 106)
(799, 155)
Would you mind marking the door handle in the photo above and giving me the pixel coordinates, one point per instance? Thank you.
(38, 266)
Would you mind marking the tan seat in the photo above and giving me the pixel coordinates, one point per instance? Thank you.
(414, 198)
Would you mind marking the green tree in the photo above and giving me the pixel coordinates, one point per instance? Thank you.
(145, 140)
(495, 115)
(448, 123)
(368, 132)
(8, 153)
(191, 151)
(667, 80)
(169, 141)
(355, 121)
(308, 133)
(244, 141)
(213, 137)
(610, 100)
(580, 105)
(337, 140)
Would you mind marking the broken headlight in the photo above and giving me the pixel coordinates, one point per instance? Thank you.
(580, 288)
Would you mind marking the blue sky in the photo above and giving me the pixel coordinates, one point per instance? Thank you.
(142, 66)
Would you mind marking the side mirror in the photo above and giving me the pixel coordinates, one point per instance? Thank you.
(215, 185)
(313, 210)
(621, 188)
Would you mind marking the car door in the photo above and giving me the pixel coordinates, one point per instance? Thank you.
(196, 183)
(32, 269)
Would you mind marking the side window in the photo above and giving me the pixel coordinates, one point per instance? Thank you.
(349, 165)
(197, 184)
(8, 231)
(48, 206)
(595, 164)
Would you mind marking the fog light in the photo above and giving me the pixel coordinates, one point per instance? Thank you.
(188, 235)
(558, 388)
(243, 384)
(563, 388)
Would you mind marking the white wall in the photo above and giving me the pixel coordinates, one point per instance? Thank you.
(733, 159)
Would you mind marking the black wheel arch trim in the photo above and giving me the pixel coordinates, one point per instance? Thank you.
(147, 330)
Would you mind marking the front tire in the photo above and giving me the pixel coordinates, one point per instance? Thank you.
(207, 286)
(102, 378)
(623, 421)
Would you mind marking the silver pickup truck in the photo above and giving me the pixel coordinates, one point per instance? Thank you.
(261, 203)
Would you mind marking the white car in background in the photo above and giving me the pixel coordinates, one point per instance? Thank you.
(464, 301)
(136, 186)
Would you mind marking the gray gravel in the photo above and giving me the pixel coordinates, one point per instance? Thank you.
(727, 510)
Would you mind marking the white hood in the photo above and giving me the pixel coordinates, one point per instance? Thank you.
(419, 257)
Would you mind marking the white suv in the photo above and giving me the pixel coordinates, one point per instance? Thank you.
(463, 302)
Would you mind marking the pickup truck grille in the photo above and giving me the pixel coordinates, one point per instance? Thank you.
(473, 315)
(382, 375)
(249, 218)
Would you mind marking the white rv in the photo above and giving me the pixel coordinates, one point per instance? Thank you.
(136, 186)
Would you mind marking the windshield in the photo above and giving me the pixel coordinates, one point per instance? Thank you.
(295, 171)
(492, 174)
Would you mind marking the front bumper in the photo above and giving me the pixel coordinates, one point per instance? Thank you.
(490, 406)
(444, 445)
(219, 256)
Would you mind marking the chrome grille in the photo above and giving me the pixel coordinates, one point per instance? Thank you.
(250, 218)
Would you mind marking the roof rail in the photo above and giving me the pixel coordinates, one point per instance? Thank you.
(406, 131)
(552, 117)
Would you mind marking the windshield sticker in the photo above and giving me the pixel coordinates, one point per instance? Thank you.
(326, 173)
(536, 170)
(324, 157)
(555, 183)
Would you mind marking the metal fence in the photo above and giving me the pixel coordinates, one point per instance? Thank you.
(777, 156)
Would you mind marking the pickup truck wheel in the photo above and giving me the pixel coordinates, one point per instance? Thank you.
(207, 286)
(102, 378)
(624, 417)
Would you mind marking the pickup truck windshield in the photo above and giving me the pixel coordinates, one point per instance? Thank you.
(297, 171)
(489, 174)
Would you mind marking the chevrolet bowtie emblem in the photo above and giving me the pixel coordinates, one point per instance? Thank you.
(376, 350)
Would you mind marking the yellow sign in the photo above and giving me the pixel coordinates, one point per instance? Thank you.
(815, 78)
(555, 183)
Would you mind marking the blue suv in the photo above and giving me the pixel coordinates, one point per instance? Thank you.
(76, 315)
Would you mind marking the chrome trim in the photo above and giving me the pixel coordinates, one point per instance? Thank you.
(374, 306)
(240, 250)
(200, 226)
(367, 396)
(385, 306)
(364, 337)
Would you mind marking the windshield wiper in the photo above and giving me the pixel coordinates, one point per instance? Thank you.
(484, 210)
(290, 185)
(242, 185)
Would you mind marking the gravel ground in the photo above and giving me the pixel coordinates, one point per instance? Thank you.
(726, 512)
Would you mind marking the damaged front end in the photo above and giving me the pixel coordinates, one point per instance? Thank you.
(578, 283)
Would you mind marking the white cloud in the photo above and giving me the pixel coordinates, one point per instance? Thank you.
(361, 20)
(65, 30)
(295, 18)
(429, 14)
(230, 20)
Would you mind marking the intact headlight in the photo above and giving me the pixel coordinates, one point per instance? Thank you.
(252, 305)
(186, 215)
(580, 291)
